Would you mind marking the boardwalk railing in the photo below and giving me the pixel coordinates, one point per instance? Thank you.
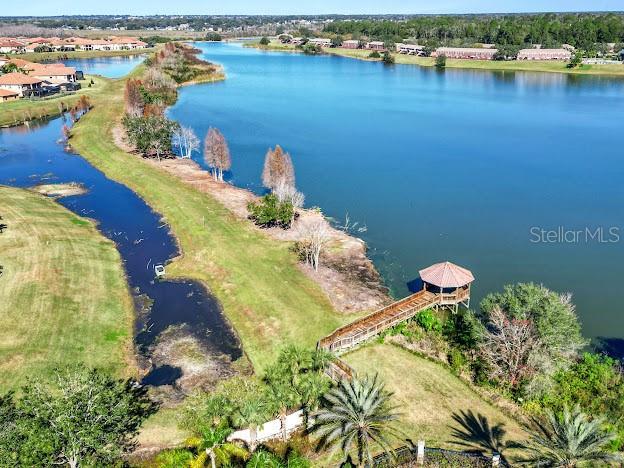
(371, 325)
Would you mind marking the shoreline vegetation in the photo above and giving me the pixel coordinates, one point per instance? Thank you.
(272, 301)
(265, 292)
(49, 320)
(542, 66)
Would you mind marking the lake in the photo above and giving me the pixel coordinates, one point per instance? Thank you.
(110, 67)
(474, 167)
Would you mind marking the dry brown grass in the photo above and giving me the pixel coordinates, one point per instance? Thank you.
(64, 298)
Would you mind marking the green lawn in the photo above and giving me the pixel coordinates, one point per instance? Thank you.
(63, 294)
(549, 66)
(269, 301)
(427, 394)
(16, 112)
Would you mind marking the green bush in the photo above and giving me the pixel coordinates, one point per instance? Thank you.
(271, 212)
(456, 360)
(428, 321)
(213, 36)
(265, 41)
(440, 62)
(312, 49)
(462, 330)
(374, 55)
(388, 58)
(174, 458)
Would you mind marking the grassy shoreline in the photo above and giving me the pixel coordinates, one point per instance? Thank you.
(489, 65)
(14, 113)
(49, 317)
(264, 294)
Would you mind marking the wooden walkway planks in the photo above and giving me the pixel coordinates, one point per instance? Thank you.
(362, 329)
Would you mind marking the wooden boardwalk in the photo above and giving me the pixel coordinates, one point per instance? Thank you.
(360, 330)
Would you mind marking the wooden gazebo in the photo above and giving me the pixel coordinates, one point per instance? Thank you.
(451, 282)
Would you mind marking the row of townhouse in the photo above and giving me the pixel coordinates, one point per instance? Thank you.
(36, 79)
(12, 45)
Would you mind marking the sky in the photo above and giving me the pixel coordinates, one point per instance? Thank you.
(276, 7)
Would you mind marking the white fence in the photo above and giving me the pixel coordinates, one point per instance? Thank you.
(271, 430)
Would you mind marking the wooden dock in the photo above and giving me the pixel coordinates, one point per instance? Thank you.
(356, 332)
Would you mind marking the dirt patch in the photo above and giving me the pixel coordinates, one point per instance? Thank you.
(60, 190)
(177, 350)
(347, 275)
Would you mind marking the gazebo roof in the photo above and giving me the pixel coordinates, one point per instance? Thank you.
(446, 275)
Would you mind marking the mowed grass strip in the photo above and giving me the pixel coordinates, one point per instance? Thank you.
(427, 395)
(63, 294)
(547, 66)
(264, 294)
(15, 112)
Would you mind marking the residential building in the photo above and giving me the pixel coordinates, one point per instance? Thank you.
(19, 83)
(320, 42)
(7, 95)
(350, 44)
(9, 46)
(544, 54)
(409, 49)
(54, 73)
(472, 53)
(379, 46)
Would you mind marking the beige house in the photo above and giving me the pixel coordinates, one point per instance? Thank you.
(9, 46)
(409, 49)
(320, 42)
(18, 82)
(544, 54)
(55, 73)
(6, 95)
(471, 53)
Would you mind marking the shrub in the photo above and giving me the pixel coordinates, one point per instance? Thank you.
(440, 61)
(213, 36)
(456, 360)
(271, 212)
(174, 458)
(265, 41)
(428, 321)
(374, 55)
(312, 49)
(462, 330)
(388, 58)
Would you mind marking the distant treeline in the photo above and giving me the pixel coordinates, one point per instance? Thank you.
(582, 30)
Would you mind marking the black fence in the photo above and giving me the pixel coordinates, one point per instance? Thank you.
(406, 457)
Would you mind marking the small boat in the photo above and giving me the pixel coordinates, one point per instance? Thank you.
(159, 270)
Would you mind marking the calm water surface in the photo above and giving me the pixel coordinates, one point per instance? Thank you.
(456, 165)
(111, 67)
(30, 155)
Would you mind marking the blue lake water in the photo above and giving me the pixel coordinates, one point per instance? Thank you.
(110, 67)
(456, 165)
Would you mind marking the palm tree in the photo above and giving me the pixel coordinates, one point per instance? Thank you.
(212, 443)
(568, 439)
(252, 413)
(356, 414)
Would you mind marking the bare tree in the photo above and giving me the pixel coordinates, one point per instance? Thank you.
(287, 193)
(185, 140)
(216, 153)
(316, 234)
(508, 347)
(278, 168)
(133, 98)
